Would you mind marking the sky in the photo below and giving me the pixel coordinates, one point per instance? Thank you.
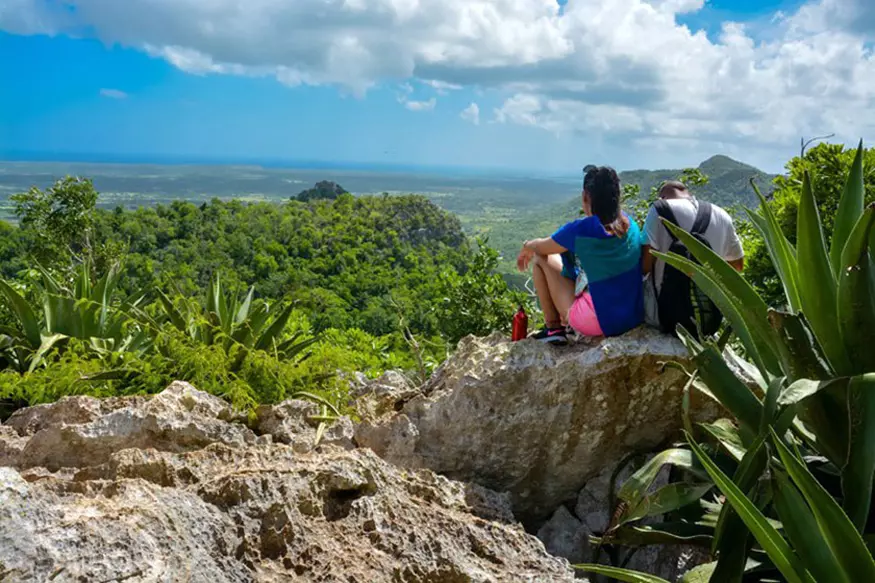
(525, 85)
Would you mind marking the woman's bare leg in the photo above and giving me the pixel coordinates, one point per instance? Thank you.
(555, 291)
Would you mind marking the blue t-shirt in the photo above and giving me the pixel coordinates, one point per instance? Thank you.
(569, 265)
(613, 267)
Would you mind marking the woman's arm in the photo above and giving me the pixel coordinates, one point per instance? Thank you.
(545, 246)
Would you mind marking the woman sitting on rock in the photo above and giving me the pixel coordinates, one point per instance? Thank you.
(608, 245)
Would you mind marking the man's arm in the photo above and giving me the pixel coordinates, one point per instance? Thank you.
(647, 259)
(738, 264)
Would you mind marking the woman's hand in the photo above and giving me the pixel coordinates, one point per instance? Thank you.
(524, 258)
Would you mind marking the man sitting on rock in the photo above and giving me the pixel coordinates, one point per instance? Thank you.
(669, 298)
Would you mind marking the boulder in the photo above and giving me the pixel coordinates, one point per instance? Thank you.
(180, 418)
(539, 421)
(176, 488)
(383, 396)
(293, 422)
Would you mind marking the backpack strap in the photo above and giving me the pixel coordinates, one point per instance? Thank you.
(663, 209)
(703, 218)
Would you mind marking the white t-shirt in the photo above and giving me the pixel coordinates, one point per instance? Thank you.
(720, 233)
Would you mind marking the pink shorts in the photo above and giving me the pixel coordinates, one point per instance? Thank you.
(582, 317)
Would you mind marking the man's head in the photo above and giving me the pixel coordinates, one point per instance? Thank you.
(673, 189)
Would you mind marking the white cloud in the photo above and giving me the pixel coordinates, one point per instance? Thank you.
(471, 114)
(113, 94)
(442, 87)
(421, 105)
(621, 70)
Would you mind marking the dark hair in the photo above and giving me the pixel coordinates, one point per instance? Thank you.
(672, 186)
(603, 186)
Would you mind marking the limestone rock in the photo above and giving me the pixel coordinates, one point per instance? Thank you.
(565, 536)
(535, 420)
(292, 422)
(180, 418)
(383, 396)
(175, 488)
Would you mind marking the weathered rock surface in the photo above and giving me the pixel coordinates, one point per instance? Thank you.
(293, 422)
(535, 420)
(176, 488)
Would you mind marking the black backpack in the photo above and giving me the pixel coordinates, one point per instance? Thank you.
(680, 301)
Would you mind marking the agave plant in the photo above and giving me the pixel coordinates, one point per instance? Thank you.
(246, 324)
(795, 463)
(86, 310)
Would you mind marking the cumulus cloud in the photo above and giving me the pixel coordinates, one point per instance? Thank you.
(622, 69)
(421, 105)
(471, 114)
(113, 94)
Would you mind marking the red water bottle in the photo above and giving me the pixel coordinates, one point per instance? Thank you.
(520, 325)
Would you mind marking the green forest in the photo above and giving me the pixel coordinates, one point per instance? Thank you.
(252, 301)
(257, 301)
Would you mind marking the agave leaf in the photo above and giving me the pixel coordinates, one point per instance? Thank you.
(800, 353)
(752, 334)
(781, 251)
(49, 282)
(801, 528)
(176, 318)
(727, 436)
(667, 499)
(243, 312)
(751, 467)
(635, 488)
(767, 536)
(24, 313)
(770, 406)
(733, 394)
(47, 344)
(817, 282)
(274, 332)
(620, 574)
(701, 574)
(836, 528)
(856, 297)
(804, 389)
(858, 472)
(850, 209)
(82, 285)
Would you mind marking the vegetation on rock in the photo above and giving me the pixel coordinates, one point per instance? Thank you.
(794, 463)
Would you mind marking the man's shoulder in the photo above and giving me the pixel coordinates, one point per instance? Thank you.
(721, 215)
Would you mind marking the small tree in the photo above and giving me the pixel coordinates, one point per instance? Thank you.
(60, 218)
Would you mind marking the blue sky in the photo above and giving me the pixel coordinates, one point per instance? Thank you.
(551, 91)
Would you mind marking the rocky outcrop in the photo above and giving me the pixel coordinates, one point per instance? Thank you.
(535, 420)
(179, 488)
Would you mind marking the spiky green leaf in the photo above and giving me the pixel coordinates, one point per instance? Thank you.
(841, 536)
(849, 211)
(817, 282)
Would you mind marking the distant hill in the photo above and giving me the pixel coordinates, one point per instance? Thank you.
(323, 190)
(728, 185)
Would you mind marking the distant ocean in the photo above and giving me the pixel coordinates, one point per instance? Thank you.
(277, 163)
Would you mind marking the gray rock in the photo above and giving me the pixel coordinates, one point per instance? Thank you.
(565, 536)
(292, 422)
(180, 418)
(538, 421)
(172, 489)
(384, 396)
